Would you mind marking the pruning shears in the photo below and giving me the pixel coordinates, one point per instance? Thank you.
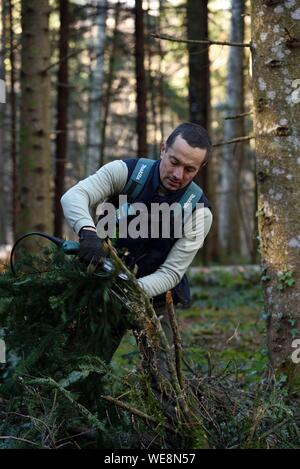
(68, 247)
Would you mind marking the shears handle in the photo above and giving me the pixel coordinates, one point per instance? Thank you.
(70, 247)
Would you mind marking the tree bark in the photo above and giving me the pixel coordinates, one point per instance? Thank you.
(62, 115)
(276, 57)
(229, 216)
(109, 84)
(199, 84)
(96, 93)
(154, 152)
(141, 89)
(161, 85)
(3, 207)
(34, 173)
(13, 147)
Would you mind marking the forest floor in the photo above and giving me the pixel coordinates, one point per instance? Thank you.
(224, 326)
(224, 336)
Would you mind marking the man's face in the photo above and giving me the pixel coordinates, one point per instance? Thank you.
(179, 164)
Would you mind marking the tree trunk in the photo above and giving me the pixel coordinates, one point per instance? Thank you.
(34, 175)
(3, 207)
(276, 57)
(229, 216)
(97, 42)
(154, 152)
(161, 85)
(141, 89)
(13, 148)
(109, 84)
(62, 115)
(199, 84)
(199, 88)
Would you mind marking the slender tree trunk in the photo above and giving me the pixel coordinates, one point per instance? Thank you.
(141, 89)
(96, 94)
(229, 215)
(276, 58)
(199, 84)
(151, 75)
(110, 79)
(161, 77)
(62, 115)
(13, 147)
(3, 207)
(34, 175)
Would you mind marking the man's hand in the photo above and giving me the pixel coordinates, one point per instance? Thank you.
(90, 250)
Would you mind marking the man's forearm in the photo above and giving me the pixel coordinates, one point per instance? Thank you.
(79, 200)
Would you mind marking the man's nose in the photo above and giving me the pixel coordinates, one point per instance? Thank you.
(178, 172)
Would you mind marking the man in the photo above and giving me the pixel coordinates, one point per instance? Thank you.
(161, 261)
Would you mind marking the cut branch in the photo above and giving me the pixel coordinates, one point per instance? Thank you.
(234, 140)
(239, 115)
(137, 412)
(164, 37)
(177, 339)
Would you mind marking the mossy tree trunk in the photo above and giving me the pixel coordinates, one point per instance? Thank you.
(34, 172)
(276, 86)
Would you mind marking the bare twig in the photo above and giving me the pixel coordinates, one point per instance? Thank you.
(189, 366)
(67, 394)
(239, 115)
(9, 437)
(234, 140)
(137, 412)
(37, 420)
(200, 41)
(177, 339)
(234, 335)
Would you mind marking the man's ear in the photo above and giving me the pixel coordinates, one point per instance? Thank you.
(162, 148)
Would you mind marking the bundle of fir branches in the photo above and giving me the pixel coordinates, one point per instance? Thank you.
(62, 323)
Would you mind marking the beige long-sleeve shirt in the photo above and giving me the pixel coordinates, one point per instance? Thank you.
(79, 201)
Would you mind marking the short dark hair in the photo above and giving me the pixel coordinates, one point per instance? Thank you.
(194, 134)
